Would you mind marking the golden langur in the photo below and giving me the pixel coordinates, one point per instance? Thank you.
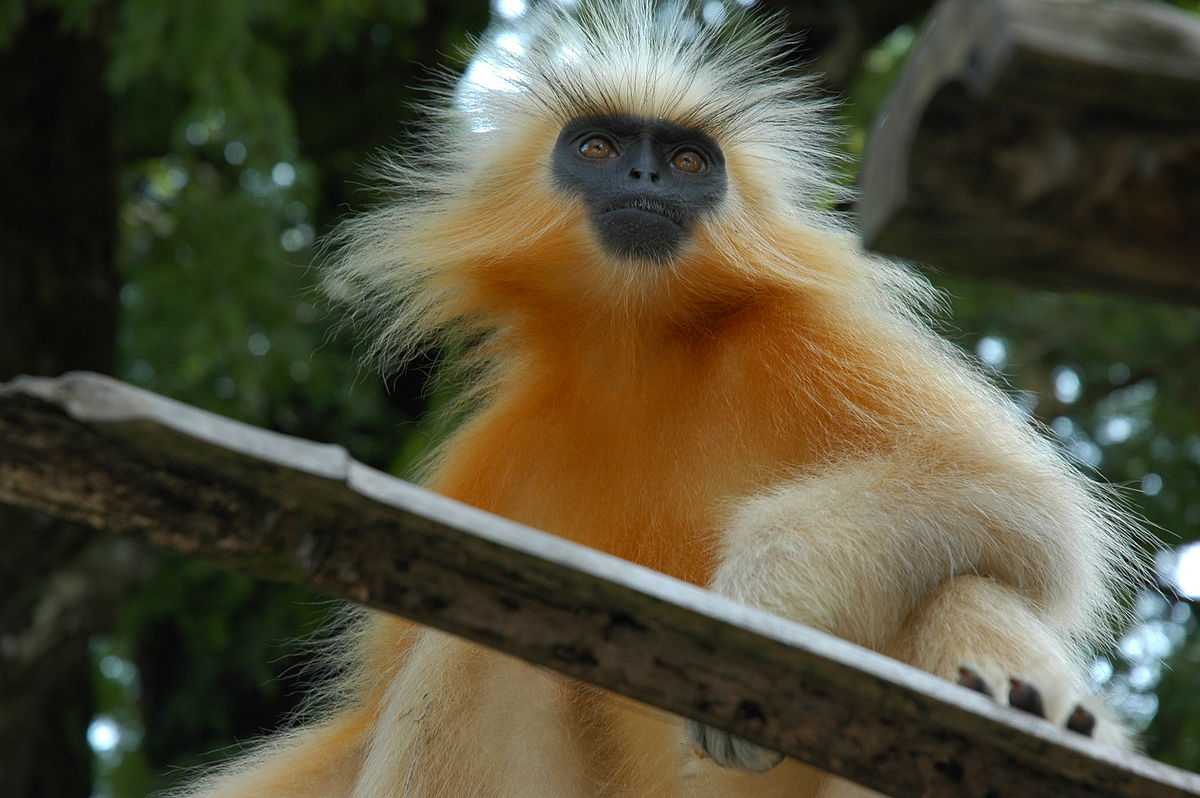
(679, 357)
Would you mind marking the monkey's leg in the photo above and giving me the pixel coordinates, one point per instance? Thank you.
(321, 761)
(460, 720)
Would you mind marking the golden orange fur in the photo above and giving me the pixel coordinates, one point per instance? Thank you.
(767, 414)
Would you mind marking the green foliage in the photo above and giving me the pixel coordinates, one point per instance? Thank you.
(219, 305)
(12, 14)
(219, 658)
(77, 15)
(1175, 734)
(238, 126)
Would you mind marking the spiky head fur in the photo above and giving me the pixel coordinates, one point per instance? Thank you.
(476, 233)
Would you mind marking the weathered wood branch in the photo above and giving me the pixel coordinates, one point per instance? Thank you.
(1049, 142)
(90, 450)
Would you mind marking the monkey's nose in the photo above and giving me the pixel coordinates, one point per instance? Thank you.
(638, 174)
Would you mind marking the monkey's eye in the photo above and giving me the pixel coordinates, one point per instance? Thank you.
(598, 148)
(689, 161)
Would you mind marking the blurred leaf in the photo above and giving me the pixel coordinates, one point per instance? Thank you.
(12, 14)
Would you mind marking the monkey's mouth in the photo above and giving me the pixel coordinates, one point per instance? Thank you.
(642, 228)
(666, 210)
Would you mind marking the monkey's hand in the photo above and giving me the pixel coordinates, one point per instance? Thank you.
(1028, 697)
(729, 751)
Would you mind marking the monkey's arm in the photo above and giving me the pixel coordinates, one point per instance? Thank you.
(942, 554)
(854, 547)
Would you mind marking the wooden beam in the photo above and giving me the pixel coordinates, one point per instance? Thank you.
(88, 449)
(1052, 143)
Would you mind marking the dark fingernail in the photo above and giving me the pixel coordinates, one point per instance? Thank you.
(973, 681)
(1025, 697)
(1082, 721)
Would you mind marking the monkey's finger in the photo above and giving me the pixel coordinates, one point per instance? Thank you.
(1025, 697)
(973, 681)
(1082, 721)
(754, 758)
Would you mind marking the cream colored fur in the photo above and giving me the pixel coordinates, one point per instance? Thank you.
(769, 414)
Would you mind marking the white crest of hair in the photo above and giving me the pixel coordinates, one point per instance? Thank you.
(734, 77)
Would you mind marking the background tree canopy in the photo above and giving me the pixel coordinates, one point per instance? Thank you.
(169, 166)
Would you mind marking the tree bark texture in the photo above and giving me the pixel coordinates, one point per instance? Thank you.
(1052, 143)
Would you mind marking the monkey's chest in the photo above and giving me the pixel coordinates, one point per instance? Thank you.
(648, 499)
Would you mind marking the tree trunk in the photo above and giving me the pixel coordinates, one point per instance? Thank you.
(58, 302)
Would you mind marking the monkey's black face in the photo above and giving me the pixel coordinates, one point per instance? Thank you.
(645, 182)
